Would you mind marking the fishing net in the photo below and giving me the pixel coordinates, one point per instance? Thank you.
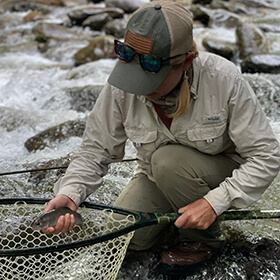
(97, 261)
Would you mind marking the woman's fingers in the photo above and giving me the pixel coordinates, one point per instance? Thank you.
(64, 224)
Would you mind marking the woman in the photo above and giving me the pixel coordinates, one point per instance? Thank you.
(204, 144)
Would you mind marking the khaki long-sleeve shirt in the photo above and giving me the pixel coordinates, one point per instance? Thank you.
(224, 111)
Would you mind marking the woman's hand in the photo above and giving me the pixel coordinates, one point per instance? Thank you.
(64, 223)
(199, 215)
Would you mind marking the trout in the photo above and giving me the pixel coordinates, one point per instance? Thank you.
(49, 219)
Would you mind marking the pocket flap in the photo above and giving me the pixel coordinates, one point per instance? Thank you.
(204, 133)
(141, 135)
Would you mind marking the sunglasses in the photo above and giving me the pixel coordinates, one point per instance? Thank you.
(149, 63)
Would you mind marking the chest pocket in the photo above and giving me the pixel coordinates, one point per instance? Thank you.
(144, 141)
(210, 140)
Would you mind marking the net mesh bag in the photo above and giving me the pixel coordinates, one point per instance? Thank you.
(97, 261)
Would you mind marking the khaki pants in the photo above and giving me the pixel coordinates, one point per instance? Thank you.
(182, 175)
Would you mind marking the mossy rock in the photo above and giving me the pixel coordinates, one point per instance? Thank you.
(100, 47)
(55, 134)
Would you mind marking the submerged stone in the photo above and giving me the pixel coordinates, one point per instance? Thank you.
(83, 99)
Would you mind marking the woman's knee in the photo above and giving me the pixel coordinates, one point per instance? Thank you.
(163, 162)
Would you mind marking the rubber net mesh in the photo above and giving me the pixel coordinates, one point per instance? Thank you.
(98, 261)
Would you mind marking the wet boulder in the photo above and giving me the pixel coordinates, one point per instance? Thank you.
(9, 20)
(99, 47)
(201, 2)
(34, 16)
(260, 4)
(236, 8)
(201, 14)
(251, 40)
(56, 134)
(129, 6)
(45, 31)
(44, 6)
(46, 173)
(116, 28)
(74, 3)
(78, 15)
(222, 18)
(261, 63)
(83, 99)
(225, 49)
(97, 22)
(268, 24)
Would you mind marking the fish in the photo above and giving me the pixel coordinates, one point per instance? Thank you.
(49, 218)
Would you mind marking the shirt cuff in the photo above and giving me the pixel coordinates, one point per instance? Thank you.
(75, 192)
(218, 199)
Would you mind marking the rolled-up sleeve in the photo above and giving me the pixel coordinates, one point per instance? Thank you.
(103, 142)
(253, 137)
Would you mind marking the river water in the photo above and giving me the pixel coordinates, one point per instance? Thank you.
(33, 97)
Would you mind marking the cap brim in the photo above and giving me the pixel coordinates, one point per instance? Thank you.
(132, 78)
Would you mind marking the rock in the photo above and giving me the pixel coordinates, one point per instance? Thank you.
(78, 15)
(225, 49)
(34, 16)
(251, 40)
(202, 2)
(116, 28)
(257, 4)
(201, 14)
(42, 179)
(55, 134)
(129, 6)
(267, 88)
(44, 6)
(97, 22)
(99, 47)
(222, 18)
(261, 63)
(269, 24)
(236, 8)
(83, 99)
(74, 3)
(9, 20)
(45, 31)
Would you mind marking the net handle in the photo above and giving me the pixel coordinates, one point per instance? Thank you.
(142, 219)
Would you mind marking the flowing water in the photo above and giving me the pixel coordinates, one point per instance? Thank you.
(33, 97)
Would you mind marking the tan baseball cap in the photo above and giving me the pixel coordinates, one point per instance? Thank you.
(160, 28)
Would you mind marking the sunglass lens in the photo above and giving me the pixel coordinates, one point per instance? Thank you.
(150, 63)
(124, 52)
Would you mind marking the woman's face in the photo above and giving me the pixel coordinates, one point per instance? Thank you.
(169, 83)
(171, 80)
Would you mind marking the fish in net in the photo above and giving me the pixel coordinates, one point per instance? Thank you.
(31, 254)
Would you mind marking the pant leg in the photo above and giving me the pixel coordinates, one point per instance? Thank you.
(141, 194)
(184, 175)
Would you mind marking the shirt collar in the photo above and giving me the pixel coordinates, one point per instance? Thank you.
(194, 86)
